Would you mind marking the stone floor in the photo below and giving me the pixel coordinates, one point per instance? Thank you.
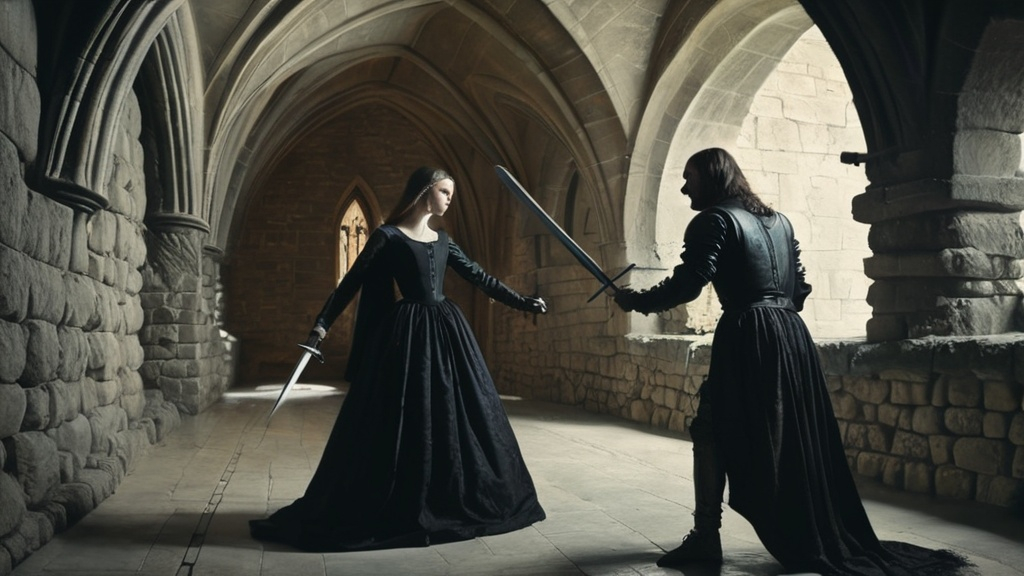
(616, 495)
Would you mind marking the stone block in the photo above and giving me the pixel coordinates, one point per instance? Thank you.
(870, 390)
(81, 300)
(893, 472)
(100, 482)
(47, 299)
(911, 393)
(132, 353)
(907, 360)
(1016, 433)
(37, 409)
(911, 445)
(90, 395)
(17, 84)
(74, 437)
(13, 195)
(889, 414)
(954, 316)
(107, 391)
(13, 405)
(844, 405)
(35, 530)
(14, 290)
(76, 498)
(42, 353)
(996, 425)
(918, 477)
(927, 420)
(1002, 395)
(33, 459)
(985, 358)
(962, 389)
(106, 421)
(964, 421)
(952, 482)
(835, 357)
(941, 448)
(982, 455)
(104, 355)
(13, 351)
(74, 353)
(65, 401)
(870, 465)
(1017, 468)
(12, 504)
(997, 490)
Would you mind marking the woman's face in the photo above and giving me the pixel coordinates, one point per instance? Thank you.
(692, 188)
(439, 197)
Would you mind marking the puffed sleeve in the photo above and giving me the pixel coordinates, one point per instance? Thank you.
(352, 281)
(702, 247)
(472, 272)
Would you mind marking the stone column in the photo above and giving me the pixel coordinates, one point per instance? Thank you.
(947, 252)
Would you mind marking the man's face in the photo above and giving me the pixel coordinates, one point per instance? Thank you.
(692, 188)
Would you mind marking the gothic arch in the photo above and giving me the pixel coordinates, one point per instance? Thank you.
(699, 101)
(78, 132)
(359, 193)
(169, 89)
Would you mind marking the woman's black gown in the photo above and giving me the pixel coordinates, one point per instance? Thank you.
(422, 451)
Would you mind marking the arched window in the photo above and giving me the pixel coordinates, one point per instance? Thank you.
(352, 233)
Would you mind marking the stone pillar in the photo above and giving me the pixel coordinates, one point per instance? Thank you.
(947, 255)
(188, 357)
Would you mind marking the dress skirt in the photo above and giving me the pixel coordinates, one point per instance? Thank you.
(778, 440)
(422, 451)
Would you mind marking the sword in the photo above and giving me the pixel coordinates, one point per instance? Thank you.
(512, 184)
(309, 352)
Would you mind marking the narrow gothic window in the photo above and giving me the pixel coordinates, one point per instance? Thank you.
(351, 235)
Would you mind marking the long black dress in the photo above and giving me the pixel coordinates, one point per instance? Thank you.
(774, 429)
(422, 451)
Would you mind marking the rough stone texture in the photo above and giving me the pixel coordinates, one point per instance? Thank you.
(13, 404)
(35, 465)
(918, 415)
(17, 84)
(12, 503)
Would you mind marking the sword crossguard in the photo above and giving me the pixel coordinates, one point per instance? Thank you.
(611, 283)
(316, 351)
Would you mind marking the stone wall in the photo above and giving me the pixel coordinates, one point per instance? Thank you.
(189, 358)
(800, 121)
(75, 415)
(938, 416)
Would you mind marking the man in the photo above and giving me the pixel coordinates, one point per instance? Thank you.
(765, 418)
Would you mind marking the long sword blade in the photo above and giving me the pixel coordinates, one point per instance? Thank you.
(299, 367)
(580, 254)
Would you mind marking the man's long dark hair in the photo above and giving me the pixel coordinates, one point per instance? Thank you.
(419, 182)
(722, 178)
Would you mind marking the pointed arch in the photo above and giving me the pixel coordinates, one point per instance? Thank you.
(358, 215)
(81, 129)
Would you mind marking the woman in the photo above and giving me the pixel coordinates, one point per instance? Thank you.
(422, 451)
(765, 419)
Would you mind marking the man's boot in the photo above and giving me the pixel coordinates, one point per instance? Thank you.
(703, 543)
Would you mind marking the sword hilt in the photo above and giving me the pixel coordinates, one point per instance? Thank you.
(314, 351)
(611, 283)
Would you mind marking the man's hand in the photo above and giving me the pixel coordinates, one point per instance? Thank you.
(537, 305)
(626, 298)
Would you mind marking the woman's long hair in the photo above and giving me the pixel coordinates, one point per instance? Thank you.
(722, 178)
(419, 182)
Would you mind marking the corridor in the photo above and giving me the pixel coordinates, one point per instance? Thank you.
(616, 495)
